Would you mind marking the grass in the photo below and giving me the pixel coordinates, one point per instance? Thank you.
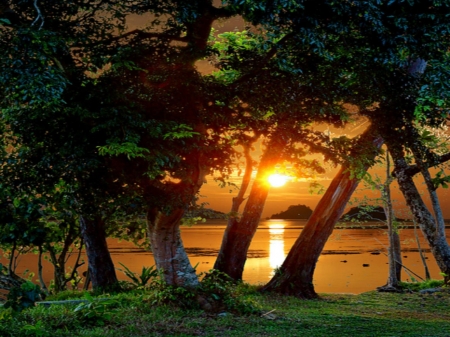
(135, 314)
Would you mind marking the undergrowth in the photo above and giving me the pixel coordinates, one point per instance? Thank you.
(417, 286)
(236, 310)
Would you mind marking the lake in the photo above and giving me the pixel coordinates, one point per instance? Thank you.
(342, 267)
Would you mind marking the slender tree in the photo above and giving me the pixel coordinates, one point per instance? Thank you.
(394, 250)
(432, 226)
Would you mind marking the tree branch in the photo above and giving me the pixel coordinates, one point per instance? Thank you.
(270, 54)
(237, 201)
(412, 170)
(222, 12)
(139, 33)
(39, 15)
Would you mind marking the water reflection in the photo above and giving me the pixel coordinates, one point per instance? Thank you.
(276, 245)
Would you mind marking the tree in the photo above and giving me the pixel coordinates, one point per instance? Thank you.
(39, 225)
(394, 250)
(382, 60)
(308, 89)
(159, 89)
(433, 228)
(422, 103)
(385, 213)
(124, 114)
(295, 275)
(44, 104)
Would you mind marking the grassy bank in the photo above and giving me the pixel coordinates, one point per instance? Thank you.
(252, 314)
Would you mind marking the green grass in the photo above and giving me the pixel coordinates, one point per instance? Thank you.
(133, 314)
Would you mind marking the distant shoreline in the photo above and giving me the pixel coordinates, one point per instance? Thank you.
(405, 223)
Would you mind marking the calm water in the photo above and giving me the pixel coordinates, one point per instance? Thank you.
(340, 267)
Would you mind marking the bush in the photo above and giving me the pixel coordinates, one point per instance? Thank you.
(417, 286)
(25, 296)
(226, 294)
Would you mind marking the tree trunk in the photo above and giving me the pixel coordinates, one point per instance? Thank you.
(397, 251)
(168, 250)
(59, 270)
(422, 255)
(41, 277)
(295, 276)
(394, 250)
(431, 231)
(239, 233)
(101, 267)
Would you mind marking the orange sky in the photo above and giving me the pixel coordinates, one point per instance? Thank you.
(294, 193)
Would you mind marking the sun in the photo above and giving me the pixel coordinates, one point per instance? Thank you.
(277, 180)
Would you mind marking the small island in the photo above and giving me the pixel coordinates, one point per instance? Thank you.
(365, 213)
(294, 212)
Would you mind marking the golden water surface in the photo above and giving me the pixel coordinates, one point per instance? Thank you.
(354, 260)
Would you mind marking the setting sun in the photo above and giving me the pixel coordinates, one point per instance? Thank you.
(277, 180)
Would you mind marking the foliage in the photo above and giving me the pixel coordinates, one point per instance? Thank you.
(44, 223)
(66, 294)
(441, 179)
(96, 311)
(228, 295)
(216, 293)
(417, 286)
(141, 280)
(37, 330)
(171, 295)
(23, 297)
(375, 314)
(131, 150)
(365, 213)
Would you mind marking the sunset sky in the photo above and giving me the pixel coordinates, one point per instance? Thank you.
(297, 192)
(294, 193)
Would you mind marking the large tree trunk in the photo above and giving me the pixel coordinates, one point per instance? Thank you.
(431, 230)
(295, 276)
(168, 250)
(163, 228)
(101, 267)
(239, 233)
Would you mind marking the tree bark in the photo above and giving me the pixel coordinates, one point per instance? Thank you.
(430, 229)
(163, 227)
(41, 277)
(168, 250)
(101, 267)
(397, 254)
(394, 250)
(239, 233)
(422, 256)
(295, 276)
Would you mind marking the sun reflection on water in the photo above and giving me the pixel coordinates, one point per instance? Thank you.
(276, 246)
